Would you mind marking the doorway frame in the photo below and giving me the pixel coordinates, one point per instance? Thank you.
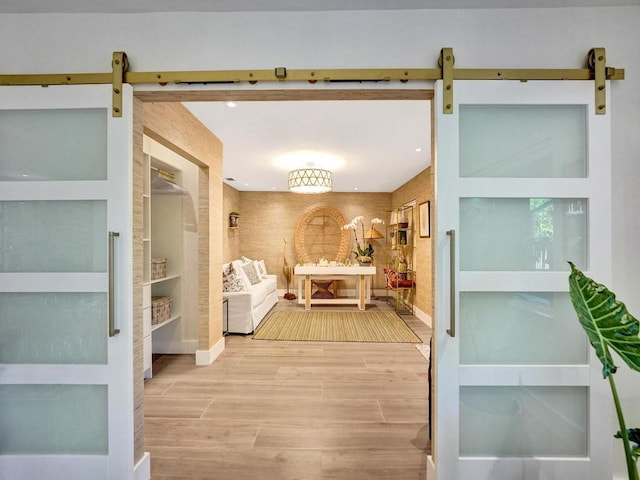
(210, 313)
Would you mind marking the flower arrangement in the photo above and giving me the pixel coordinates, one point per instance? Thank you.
(363, 255)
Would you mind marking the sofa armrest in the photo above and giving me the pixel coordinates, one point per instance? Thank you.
(239, 303)
(238, 298)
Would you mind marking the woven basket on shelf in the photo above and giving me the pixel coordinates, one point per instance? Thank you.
(160, 309)
(158, 268)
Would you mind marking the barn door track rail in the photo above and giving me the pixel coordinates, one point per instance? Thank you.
(595, 69)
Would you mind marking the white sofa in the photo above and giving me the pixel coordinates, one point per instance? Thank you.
(247, 309)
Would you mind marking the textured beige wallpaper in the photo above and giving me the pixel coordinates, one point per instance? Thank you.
(420, 189)
(267, 218)
(231, 244)
(172, 125)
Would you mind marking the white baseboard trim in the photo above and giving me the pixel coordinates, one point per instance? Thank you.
(142, 469)
(207, 357)
(426, 319)
(431, 469)
(185, 347)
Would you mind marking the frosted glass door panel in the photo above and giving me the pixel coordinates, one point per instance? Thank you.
(60, 328)
(53, 145)
(49, 419)
(525, 141)
(522, 234)
(53, 236)
(522, 328)
(523, 421)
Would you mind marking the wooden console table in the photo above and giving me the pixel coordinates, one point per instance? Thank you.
(309, 273)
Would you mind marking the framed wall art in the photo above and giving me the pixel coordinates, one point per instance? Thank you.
(424, 219)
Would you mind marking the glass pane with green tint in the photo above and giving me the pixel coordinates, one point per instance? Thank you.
(523, 141)
(53, 236)
(41, 145)
(53, 419)
(520, 328)
(523, 421)
(522, 234)
(53, 328)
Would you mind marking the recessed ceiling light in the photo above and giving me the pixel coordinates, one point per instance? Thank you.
(246, 184)
(418, 149)
(273, 188)
(355, 188)
(231, 104)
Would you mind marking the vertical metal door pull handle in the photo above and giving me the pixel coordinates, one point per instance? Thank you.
(452, 283)
(113, 331)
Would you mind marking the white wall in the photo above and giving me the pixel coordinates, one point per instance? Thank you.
(480, 38)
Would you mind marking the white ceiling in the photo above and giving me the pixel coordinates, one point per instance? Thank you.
(376, 141)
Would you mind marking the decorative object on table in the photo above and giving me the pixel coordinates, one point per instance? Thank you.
(286, 271)
(364, 256)
(234, 217)
(424, 217)
(322, 289)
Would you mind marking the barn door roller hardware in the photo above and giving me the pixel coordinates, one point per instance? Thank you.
(120, 65)
(595, 70)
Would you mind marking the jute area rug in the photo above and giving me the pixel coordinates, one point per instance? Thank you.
(381, 327)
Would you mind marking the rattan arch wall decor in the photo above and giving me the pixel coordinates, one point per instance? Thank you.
(319, 234)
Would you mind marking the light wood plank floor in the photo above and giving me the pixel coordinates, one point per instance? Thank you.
(291, 410)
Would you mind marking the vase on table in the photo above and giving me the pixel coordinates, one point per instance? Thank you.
(364, 260)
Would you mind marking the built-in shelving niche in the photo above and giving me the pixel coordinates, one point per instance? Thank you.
(171, 232)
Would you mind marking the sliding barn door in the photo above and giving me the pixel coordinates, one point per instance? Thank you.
(523, 186)
(66, 374)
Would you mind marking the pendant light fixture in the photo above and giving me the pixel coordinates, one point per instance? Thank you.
(310, 180)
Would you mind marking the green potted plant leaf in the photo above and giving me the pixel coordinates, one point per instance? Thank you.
(610, 327)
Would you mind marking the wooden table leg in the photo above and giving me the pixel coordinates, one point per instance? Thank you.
(307, 292)
(361, 289)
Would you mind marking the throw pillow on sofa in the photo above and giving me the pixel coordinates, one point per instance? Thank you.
(259, 264)
(231, 281)
(262, 268)
(252, 273)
